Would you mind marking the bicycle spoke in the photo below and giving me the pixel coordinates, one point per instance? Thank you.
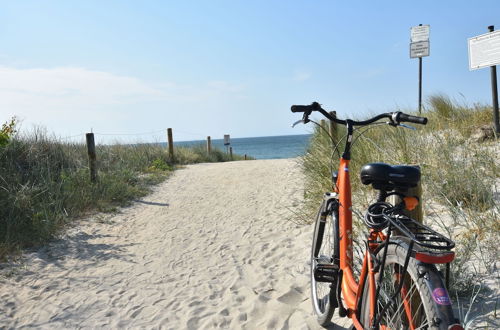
(400, 310)
(396, 316)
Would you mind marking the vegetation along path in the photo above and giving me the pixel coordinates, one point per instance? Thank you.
(212, 247)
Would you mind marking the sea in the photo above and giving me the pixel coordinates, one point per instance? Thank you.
(263, 147)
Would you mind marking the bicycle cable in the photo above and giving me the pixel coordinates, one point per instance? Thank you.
(362, 132)
(375, 217)
(335, 145)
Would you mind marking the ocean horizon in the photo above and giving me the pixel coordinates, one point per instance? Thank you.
(261, 147)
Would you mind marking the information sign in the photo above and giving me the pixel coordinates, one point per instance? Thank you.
(484, 50)
(226, 140)
(419, 49)
(420, 33)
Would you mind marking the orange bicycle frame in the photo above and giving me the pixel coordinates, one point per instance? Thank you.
(352, 290)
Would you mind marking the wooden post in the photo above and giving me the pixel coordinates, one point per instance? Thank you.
(209, 145)
(417, 213)
(323, 123)
(231, 152)
(92, 156)
(170, 143)
(333, 127)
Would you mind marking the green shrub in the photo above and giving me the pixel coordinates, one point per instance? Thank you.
(7, 131)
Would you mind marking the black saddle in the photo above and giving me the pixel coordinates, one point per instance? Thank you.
(390, 177)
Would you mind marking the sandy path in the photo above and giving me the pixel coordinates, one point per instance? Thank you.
(210, 248)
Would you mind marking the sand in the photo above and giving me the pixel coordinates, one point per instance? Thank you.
(212, 247)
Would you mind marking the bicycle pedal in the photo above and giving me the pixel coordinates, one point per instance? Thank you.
(326, 273)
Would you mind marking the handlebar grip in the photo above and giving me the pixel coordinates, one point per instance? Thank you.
(411, 119)
(315, 106)
(301, 108)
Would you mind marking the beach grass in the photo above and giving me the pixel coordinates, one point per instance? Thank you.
(459, 174)
(45, 182)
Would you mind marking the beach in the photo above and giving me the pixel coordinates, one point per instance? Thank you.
(212, 247)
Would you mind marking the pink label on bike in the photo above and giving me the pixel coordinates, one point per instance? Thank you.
(441, 297)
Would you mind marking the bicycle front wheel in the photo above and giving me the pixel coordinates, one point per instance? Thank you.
(324, 252)
(422, 302)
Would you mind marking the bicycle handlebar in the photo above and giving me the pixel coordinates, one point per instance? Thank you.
(305, 108)
(395, 117)
(410, 119)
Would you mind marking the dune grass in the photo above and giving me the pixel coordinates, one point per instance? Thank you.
(45, 183)
(459, 175)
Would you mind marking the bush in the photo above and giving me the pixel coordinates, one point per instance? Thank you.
(7, 131)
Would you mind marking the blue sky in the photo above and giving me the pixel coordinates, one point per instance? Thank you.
(226, 67)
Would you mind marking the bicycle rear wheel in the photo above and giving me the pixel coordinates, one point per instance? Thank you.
(325, 250)
(422, 303)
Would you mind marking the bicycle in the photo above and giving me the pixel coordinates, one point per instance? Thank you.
(399, 285)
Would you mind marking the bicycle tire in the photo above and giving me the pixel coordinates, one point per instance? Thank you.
(325, 248)
(427, 298)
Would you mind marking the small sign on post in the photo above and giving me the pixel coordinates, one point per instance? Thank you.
(227, 142)
(420, 33)
(419, 47)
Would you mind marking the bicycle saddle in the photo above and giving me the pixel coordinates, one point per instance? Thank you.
(389, 177)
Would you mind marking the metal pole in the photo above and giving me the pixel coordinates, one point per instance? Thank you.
(494, 91)
(419, 85)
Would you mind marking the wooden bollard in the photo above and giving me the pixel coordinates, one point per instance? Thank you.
(333, 127)
(92, 156)
(170, 143)
(416, 213)
(209, 145)
(231, 153)
(322, 122)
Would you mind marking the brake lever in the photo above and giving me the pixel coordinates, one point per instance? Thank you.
(298, 122)
(407, 126)
(392, 123)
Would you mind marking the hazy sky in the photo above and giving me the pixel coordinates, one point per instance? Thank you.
(215, 67)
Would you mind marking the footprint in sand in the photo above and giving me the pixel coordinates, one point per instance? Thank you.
(137, 312)
(292, 297)
(224, 312)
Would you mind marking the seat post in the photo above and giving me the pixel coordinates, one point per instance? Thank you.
(381, 195)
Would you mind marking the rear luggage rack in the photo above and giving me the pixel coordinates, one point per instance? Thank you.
(422, 235)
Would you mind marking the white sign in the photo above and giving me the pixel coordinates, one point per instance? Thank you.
(484, 50)
(226, 140)
(419, 49)
(420, 33)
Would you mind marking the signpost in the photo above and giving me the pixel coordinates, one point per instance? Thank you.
(420, 33)
(227, 141)
(419, 47)
(484, 51)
